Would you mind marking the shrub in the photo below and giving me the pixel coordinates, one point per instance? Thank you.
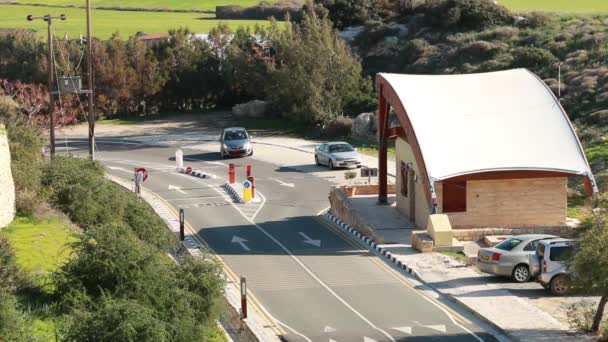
(13, 324)
(338, 128)
(465, 14)
(347, 13)
(580, 315)
(10, 275)
(532, 57)
(116, 320)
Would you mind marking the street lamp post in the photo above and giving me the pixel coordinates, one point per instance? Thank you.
(49, 20)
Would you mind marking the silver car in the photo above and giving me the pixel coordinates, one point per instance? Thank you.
(337, 154)
(550, 263)
(235, 142)
(512, 257)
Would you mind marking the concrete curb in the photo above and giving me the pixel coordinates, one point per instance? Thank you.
(254, 328)
(388, 256)
(385, 253)
(236, 196)
(197, 173)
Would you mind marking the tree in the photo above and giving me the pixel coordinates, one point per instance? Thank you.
(591, 262)
(314, 74)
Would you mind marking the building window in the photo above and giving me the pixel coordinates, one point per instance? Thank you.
(454, 197)
(405, 170)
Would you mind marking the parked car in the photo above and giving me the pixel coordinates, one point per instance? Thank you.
(337, 154)
(511, 257)
(550, 263)
(235, 142)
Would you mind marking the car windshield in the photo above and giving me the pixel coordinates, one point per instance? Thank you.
(235, 135)
(508, 244)
(340, 148)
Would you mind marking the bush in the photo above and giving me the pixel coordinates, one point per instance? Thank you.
(345, 13)
(10, 275)
(13, 324)
(465, 14)
(116, 320)
(78, 188)
(338, 128)
(580, 315)
(533, 58)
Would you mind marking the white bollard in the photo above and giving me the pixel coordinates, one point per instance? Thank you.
(179, 159)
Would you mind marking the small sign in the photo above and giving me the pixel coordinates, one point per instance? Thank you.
(189, 170)
(247, 184)
(369, 172)
(143, 172)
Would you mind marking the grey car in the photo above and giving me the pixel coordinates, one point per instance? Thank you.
(512, 257)
(550, 264)
(235, 142)
(337, 154)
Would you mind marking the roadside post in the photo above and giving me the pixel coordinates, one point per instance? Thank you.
(247, 191)
(369, 173)
(231, 175)
(252, 180)
(179, 159)
(248, 171)
(181, 225)
(243, 298)
(140, 176)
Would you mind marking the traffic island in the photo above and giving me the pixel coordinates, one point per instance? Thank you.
(236, 192)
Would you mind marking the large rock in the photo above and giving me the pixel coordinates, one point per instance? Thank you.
(254, 109)
(7, 186)
(364, 126)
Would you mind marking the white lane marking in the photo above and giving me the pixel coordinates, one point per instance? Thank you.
(176, 188)
(314, 276)
(192, 198)
(240, 241)
(367, 339)
(291, 185)
(330, 340)
(227, 199)
(118, 168)
(310, 241)
(407, 330)
(439, 327)
(323, 211)
(328, 329)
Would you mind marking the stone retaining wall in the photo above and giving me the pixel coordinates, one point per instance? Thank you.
(7, 186)
(476, 234)
(341, 208)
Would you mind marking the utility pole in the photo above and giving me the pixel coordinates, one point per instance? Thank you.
(49, 20)
(91, 115)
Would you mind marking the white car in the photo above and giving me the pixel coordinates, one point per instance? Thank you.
(337, 154)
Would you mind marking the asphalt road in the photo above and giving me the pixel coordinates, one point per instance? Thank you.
(317, 283)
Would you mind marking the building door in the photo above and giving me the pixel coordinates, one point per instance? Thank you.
(412, 194)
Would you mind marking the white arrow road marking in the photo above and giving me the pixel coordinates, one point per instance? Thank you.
(119, 168)
(176, 188)
(291, 185)
(240, 241)
(367, 339)
(407, 330)
(328, 329)
(440, 327)
(310, 241)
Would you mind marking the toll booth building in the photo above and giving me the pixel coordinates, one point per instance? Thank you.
(486, 150)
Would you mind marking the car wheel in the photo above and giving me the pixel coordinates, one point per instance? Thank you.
(251, 153)
(330, 164)
(317, 160)
(521, 273)
(559, 285)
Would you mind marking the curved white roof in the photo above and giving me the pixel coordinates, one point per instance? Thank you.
(498, 121)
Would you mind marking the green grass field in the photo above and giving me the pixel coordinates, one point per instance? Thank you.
(40, 245)
(106, 22)
(567, 6)
(204, 5)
